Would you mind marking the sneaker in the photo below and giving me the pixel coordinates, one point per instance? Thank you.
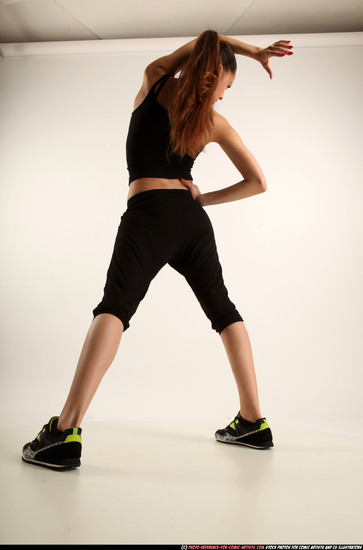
(251, 434)
(55, 449)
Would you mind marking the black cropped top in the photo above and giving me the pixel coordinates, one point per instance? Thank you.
(148, 142)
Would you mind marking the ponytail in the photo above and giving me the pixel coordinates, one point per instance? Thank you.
(191, 113)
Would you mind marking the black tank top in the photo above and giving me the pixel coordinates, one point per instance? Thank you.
(148, 151)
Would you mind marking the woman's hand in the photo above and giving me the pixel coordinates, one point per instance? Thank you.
(278, 49)
(193, 189)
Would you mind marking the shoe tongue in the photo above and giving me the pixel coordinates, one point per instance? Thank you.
(53, 422)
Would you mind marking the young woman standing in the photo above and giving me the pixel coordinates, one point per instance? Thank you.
(165, 223)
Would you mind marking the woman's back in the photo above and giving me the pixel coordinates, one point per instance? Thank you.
(148, 142)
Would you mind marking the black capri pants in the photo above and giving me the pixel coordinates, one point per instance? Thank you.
(159, 227)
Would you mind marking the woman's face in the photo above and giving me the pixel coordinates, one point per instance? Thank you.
(225, 81)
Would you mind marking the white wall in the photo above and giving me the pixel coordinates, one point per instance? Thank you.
(292, 257)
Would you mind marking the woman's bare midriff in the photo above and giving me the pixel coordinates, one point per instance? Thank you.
(148, 184)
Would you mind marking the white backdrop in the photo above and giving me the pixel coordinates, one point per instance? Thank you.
(292, 257)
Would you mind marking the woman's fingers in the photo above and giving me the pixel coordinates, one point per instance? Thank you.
(194, 190)
(277, 49)
(267, 67)
(280, 48)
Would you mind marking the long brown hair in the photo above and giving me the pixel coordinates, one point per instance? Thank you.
(191, 112)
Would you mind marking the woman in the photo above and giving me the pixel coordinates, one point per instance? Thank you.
(172, 121)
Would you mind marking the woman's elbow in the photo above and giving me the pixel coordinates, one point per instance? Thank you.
(262, 185)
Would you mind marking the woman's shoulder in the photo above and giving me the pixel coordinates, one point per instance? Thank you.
(221, 128)
(151, 77)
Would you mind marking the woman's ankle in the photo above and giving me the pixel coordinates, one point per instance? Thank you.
(249, 415)
(65, 423)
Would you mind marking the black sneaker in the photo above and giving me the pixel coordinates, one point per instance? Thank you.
(251, 434)
(55, 449)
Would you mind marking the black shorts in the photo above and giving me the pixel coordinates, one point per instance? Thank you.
(159, 227)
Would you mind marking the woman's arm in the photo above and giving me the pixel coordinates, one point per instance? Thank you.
(168, 64)
(173, 63)
(253, 181)
(262, 55)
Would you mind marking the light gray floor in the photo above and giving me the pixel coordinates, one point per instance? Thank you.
(173, 484)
